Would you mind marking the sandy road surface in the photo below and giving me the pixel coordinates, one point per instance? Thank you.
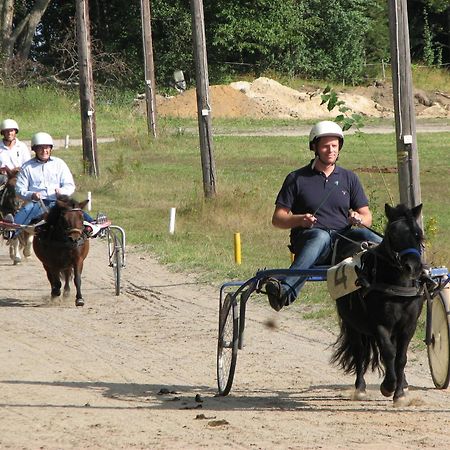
(94, 377)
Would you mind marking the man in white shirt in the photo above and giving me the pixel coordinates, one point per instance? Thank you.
(40, 179)
(13, 153)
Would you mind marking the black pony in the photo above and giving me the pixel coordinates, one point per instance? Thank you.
(378, 321)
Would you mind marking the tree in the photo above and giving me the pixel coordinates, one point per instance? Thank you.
(17, 30)
(326, 39)
(429, 24)
(257, 35)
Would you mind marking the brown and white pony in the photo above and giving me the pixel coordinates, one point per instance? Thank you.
(10, 204)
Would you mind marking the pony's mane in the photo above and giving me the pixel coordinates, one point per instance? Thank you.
(64, 202)
(402, 212)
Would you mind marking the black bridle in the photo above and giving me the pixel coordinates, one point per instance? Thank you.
(392, 258)
(396, 255)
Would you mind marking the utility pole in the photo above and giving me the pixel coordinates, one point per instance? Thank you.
(87, 104)
(405, 119)
(149, 68)
(203, 103)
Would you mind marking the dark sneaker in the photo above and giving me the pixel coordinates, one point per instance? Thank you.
(274, 294)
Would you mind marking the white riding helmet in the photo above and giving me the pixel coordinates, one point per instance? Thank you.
(325, 128)
(9, 124)
(41, 138)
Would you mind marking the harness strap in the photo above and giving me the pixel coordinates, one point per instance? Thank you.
(391, 289)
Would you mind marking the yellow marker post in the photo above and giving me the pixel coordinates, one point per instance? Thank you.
(237, 248)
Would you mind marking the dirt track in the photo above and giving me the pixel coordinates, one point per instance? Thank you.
(95, 377)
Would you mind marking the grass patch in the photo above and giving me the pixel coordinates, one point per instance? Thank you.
(141, 179)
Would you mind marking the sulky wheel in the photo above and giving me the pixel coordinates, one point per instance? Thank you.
(117, 261)
(227, 346)
(439, 347)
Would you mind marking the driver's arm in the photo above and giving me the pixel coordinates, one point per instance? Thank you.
(283, 218)
(361, 216)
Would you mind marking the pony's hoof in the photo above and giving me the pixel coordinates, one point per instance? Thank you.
(17, 261)
(385, 392)
(27, 252)
(358, 395)
(79, 302)
(55, 292)
(401, 401)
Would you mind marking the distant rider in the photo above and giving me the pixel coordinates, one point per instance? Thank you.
(41, 179)
(13, 153)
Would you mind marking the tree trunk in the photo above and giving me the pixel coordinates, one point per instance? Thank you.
(6, 20)
(25, 36)
(22, 35)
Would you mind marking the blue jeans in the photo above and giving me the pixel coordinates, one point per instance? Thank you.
(313, 247)
(33, 210)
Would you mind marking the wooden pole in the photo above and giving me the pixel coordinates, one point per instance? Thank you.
(87, 103)
(405, 119)
(149, 68)
(203, 102)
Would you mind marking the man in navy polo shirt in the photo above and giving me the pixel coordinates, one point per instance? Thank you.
(318, 202)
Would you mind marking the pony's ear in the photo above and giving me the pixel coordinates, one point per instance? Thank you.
(63, 198)
(84, 203)
(416, 211)
(388, 209)
(61, 203)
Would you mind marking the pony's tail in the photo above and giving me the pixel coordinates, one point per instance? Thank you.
(349, 344)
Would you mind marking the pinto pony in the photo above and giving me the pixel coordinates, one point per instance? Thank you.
(10, 204)
(378, 321)
(62, 245)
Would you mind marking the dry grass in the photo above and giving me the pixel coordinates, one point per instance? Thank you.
(141, 180)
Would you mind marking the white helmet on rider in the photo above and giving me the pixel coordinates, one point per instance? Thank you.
(325, 128)
(9, 124)
(41, 138)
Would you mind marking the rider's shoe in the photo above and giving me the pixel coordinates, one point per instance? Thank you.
(275, 294)
(8, 218)
(101, 218)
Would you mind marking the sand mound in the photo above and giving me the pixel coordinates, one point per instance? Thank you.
(226, 102)
(284, 102)
(267, 98)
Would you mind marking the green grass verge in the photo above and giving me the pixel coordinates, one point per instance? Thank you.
(141, 179)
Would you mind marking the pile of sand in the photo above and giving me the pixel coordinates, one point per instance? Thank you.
(283, 102)
(225, 102)
(267, 98)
